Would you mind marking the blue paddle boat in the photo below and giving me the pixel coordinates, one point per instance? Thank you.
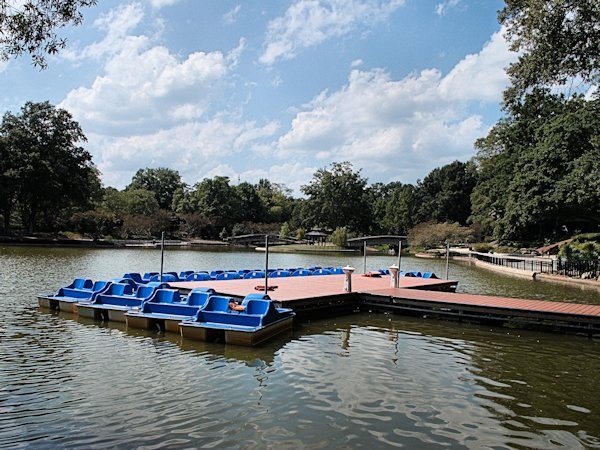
(66, 298)
(164, 310)
(253, 321)
(116, 301)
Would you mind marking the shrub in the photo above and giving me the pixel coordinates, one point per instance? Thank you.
(430, 234)
(339, 237)
(196, 225)
(98, 222)
(145, 227)
(482, 247)
(284, 231)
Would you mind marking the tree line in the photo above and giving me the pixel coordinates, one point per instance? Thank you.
(535, 176)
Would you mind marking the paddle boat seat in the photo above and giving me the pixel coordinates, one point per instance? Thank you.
(430, 275)
(229, 276)
(280, 274)
(121, 296)
(321, 272)
(254, 274)
(302, 273)
(86, 292)
(198, 276)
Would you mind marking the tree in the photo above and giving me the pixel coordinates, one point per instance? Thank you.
(49, 171)
(559, 41)
(249, 207)
(284, 231)
(212, 197)
(336, 198)
(276, 201)
(8, 182)
(400, 210)
(339, 236)
(537, 169)
(445, 193)
(130, 202)
(163, 182)
(29, 26)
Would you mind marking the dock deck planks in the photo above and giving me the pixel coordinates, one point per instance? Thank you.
(290, 289)
(318, 294)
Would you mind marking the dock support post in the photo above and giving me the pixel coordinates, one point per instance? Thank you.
(394, 282)
(348, 280)
(365, 256)
(266, 264)
(447, 258)
(162, 254)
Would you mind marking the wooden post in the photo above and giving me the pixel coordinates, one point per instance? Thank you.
(162, 254)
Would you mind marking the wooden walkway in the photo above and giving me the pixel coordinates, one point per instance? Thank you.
(290, 289)
(416, 296)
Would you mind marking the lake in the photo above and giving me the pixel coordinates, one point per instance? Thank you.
(363, 380)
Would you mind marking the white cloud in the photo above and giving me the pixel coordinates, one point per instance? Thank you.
(157, 4)
(231, 16)
(442, 8)
(197, 149)
(400, 127)
(479, 76)
(307, 23)
(146, 89)
(356, 63)
(118, 24)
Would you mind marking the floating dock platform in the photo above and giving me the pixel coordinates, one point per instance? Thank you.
(325, 295)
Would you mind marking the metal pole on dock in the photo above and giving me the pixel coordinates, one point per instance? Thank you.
(365, 256)
(266, 264)
(399, 259)
(447, 258)
(162, 254)
(399, 255)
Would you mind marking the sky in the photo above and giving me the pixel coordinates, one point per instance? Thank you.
(275, 89)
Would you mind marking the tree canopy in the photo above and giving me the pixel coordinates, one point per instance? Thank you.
(163, 182)
(43, 167)
(336, 198)
(29, 26)
(559, 41)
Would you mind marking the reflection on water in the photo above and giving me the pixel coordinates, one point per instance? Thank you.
(355, 381)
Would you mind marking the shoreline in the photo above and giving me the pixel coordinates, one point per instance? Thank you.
(527, 274)
(60, 242)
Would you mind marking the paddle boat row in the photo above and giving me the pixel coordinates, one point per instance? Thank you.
(201, 315)
(190, 275)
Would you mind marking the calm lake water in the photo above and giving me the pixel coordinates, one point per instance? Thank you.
(359, 381)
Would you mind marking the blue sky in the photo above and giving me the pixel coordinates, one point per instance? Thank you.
(275, 90)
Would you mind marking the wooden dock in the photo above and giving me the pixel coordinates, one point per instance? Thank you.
(325, 295)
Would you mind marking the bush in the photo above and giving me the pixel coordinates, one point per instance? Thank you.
(339, 237)
(98, 222)
(146, 227)
(284, 231)
(196, 225)
(482, 247)
(430, 234)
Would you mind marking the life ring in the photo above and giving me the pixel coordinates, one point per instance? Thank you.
(372, 275)
(261, 287)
